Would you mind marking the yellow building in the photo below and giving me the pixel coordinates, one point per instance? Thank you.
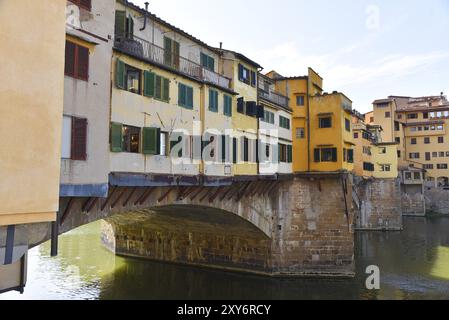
(246, 112)
(419, 126)
(322, 135)
(31, 104)
(373, 158)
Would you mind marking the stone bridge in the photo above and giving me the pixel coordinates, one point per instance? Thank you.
(279, 226)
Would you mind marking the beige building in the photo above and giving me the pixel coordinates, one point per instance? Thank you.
(420, 127)
(31, 104)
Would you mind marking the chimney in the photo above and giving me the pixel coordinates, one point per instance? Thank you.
(221, 45)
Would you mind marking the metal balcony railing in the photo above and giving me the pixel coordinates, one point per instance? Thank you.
(274, 97)
(149, 51)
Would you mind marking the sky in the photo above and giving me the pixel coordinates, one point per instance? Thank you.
(365, 49)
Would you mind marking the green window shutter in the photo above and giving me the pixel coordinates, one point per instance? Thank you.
(149, 78)
(203, 59)
(317, 155)
(158, 88)
(213, 100)
(189, 97)
(120, 24)
(234, 150)
(168, 51)
(279, 153)
(151, 141)
(120, 74)
(130, 28)
(176, 50)
(181, 95)
(166, 90)
(116, 137)
(211, 63)
(289, 154)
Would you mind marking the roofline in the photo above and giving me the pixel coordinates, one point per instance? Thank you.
(241, 57)
(129, 4)
(315, 73)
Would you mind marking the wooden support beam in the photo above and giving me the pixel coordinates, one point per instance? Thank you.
(111, 194)
(165, 195)
(256, 187)
(226, 193)
(242, 193)
(266, 187)
(235, 190)
(67, 210)
(86, 204)
(187, 193)
(93, 203)
(205, 195)
(197, 194)
(272, 187)
(145, 196)
(180, 192)
(212, 199)
(128, 199)
(118, 198)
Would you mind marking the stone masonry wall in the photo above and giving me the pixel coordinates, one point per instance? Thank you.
(437, 201)
(380, 205)
(313, 233)
(413, 201)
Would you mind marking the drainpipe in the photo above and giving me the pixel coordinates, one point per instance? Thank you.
(145, 17)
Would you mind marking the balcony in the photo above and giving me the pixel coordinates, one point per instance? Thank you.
(274, 97)
(143, 49)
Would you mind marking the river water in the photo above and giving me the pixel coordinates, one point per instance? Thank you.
(414, 264)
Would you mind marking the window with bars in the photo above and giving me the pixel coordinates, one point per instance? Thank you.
(76, 61)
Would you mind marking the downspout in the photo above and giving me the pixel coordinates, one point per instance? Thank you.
(145, 17)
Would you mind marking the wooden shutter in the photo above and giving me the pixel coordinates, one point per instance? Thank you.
(223, 148)
(167, 51)
(240, 105)
(130, 28)
(234, 150)
(334, 155)
(116, 137)
(120, 24)
(151, 141)
(83, 63)
(79, 139)
(189, 97)
(166, 90)
(210, 63)
(289, 154)
(241, 72)
(70, 58)
(158, 88)
(176, 50)
(181, 94)
(245, 149)
(148, 83)
(86, 4)
(120, 74)
(253, 78)
(317, 155)
(203, 59)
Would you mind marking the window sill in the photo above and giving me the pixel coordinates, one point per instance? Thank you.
(77, 78)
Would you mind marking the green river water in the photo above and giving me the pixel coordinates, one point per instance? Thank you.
(414, 264)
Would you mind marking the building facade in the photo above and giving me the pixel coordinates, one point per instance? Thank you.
(322, 131)
(85, 126)
(275, 130)
(31, 104)
(419, 126)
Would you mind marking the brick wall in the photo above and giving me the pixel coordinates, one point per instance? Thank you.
(437, 201)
